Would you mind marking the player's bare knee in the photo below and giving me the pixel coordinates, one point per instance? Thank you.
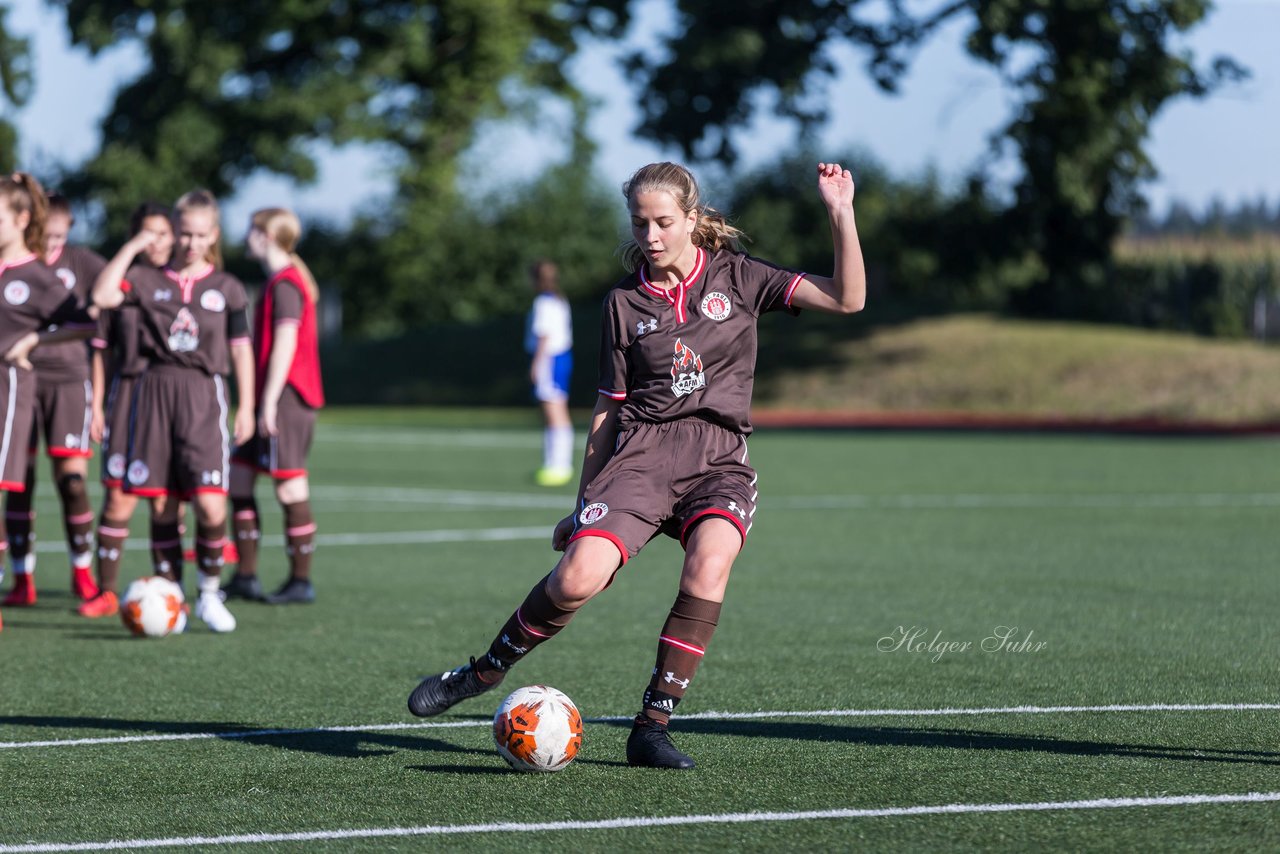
(71, 486)
(292, 491)
(586, 568)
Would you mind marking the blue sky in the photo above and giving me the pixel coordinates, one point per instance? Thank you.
(1223, 147)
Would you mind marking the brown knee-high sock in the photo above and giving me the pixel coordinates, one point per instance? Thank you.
(248, 529)
(20, 518)
(681, 645)
(299, 538)
(77, 519)
(210, 541)
(111, 536)
(166, 549)
(537, 619)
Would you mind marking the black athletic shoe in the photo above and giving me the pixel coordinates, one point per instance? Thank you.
(293, 590)
(435, 694)
(650, 746)
(244, 587)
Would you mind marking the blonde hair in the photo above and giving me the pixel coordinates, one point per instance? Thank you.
(203, 200)
(711, 231)
(282, 227)
(25, 195)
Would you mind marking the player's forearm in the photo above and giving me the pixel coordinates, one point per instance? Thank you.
(283, 347)
(242, 364)
(849, 279)
(600, 441)
(107, 290)
(98, 380)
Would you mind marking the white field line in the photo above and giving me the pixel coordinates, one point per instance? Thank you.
(379, 538)
(459, 438)
(627, 822)
(232, 735)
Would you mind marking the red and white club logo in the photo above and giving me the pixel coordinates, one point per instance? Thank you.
(17, 292)
(68, 277)
(715, 305)
(593, 513)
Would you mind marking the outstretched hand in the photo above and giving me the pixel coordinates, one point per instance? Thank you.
(835, 185)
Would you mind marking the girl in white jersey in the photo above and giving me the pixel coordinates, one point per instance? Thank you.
(549, 341)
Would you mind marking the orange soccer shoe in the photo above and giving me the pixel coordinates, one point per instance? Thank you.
(82, 584)
(23, 593)
(105, 604)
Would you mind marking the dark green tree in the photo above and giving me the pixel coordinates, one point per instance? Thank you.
(15, 88)
(1090, 75)
(234, 88)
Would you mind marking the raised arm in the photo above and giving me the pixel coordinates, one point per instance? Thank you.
(845, 292)
(107, 292)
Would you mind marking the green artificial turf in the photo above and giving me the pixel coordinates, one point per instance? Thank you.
(1144, 568)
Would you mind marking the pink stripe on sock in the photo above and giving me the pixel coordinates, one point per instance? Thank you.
(211, 544)
(525, 626)
(113, 532)
(687, 647)
(302, 529)
(16, 514)
(81, 519)
(246, 514)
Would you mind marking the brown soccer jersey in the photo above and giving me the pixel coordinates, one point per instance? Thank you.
(77, 268)
(690, 350)
(32, 298)
(187, 320)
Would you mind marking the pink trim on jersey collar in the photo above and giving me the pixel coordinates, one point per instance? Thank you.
(25, 259)
(675, 296)
(188, 283)
(54, 259)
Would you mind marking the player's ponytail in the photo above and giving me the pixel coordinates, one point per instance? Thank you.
(283, 228)
(25, 195)
(203, 200)
(711, 231)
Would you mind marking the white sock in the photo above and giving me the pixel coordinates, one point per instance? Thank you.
(561, 450)
(25, 565)
(209, 584)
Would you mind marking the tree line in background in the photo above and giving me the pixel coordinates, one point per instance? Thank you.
(235, 89)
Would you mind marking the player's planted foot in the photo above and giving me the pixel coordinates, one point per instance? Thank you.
(435, 694)
(650, 746)
(105, 604)
(295, 590)
(214, 613)
(244, 587)
(23, 593)
(553, 476)
(82, 584)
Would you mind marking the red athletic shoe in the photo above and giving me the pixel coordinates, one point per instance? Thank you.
(105, 604)
(23, 592)
(83, 585)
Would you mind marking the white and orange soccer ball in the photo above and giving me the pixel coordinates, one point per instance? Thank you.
(153, 607)
(537, 728)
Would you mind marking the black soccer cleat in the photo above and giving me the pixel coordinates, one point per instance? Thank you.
(295, 590)
(243, 587)
(436, 694)
(650, 746)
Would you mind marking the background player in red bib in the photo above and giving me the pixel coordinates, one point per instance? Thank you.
(117, 362)
(667, 450)
(289, 391)
(31, 299)
(62, 414)
(194, 328)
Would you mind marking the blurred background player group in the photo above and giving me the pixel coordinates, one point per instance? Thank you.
(171, 324)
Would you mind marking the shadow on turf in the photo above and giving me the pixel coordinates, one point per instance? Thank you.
(962, 739)
(342, 745)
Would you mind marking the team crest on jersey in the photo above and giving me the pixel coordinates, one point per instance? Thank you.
(184, 332)
(67, 276)
(716, 306)
(138, 472)
(213, 301)
(593, 513)
(116, 466)
(71, 440)
(17, 292)
(687, 375)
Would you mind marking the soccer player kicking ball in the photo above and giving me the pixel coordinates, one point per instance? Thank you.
(667, 448)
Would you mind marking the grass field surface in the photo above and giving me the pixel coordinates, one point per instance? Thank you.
(931, 641)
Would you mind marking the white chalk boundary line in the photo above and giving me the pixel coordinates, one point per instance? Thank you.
(231, 735)
(647, 821)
